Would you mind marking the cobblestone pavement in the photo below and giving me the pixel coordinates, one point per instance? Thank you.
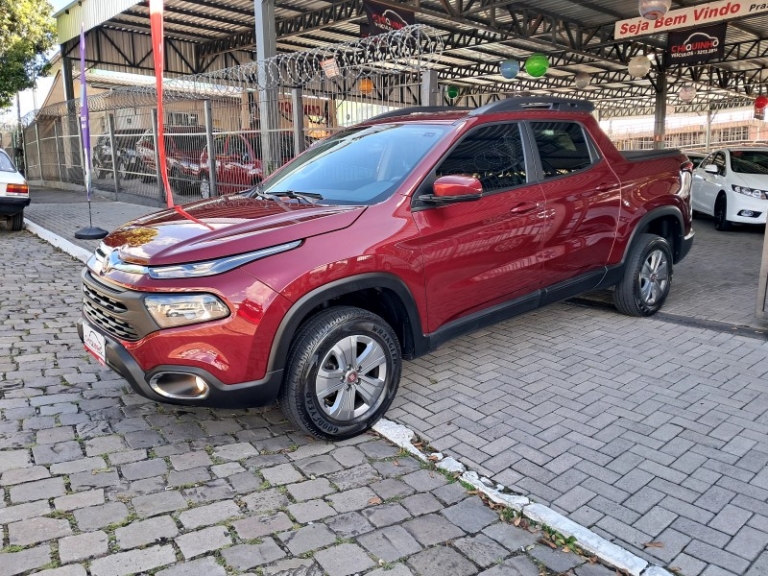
(96, 480)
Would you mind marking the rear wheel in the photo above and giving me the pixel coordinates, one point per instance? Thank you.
(647, 277)
(343, 373)
(17, 221)
(721, 214)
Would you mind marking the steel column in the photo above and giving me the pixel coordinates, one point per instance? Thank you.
(298, 120)
(660, 115)
(212, 175)
(266, 47)
(113, 149)
(430, 90)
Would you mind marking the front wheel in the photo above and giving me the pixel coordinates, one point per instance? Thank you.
(343, 373)
(721, 215)
(647, 277)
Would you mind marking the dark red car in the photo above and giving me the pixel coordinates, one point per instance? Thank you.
(183, 146)
(378, 244)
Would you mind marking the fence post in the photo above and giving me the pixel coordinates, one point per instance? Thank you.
(160, 186)
(298, 120)
(212, 176)
(113, 148)
(58, 155)
(37, 143)
(429, 88)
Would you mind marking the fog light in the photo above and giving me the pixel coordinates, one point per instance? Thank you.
(749, 213)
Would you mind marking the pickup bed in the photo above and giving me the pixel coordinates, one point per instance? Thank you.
(377, 245)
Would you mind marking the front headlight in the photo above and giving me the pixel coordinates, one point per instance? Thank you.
(753, 192)
(213, 267)
(170, 310)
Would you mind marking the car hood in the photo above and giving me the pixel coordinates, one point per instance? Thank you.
(759, 181)
(222, 227)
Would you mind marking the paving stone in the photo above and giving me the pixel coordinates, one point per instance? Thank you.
(83, 546)
(420, 504)
(481, 550)
(266, 500)
(81, 465)
(396, 467)
(307, 538)
(748, 543)
(386, 514)
(730, 519)
(348, 456)
(517, 566)
(425, 480)
(450, 493)
(91, 480)
(343, 560)
(310, 489)
(512, 538)
(556, 560)
(471, 515)
(21, 475)
(100, 516)
(391, 488)
(283, 474)
(310, 511)
(146, 469)
(393, 570)
(218, 489)
(45, 454)
(190, 460)
(432, 529)
(105, 445)
(15, 563)
(351, 500)
(317, 465)
(257, 526)
(354, 477)
(49, 488)
(390, 543)
(228, 469)
(293, 567)
(245, 482)
(156, 504)
(233, 452)
(71, 570)
(188, 477)
(124, 563)
(36, 530)
(203, 567)
(146, 532)
(349, 525)
(441, 560)
(247, 556)
(127, 457)
(207, 515)
(203, 541)
(379, 449)
(24, 511)
(144, 439)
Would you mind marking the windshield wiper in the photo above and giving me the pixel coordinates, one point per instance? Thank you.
(308, 197)
(256, 192)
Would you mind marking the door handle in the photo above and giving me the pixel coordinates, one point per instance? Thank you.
(524, 207)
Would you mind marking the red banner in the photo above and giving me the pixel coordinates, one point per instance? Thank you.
(158, 49)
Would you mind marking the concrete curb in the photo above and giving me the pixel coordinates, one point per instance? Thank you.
(54, 239)
(402, 436)
(608, 552)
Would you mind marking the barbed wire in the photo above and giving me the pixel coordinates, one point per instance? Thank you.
(408, 50)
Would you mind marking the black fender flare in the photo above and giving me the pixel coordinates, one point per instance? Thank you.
(647, 218)
(311, 300)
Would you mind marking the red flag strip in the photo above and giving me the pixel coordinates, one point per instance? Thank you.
(158, 48)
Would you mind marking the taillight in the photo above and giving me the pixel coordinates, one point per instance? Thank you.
(686, 181)
(21, 189)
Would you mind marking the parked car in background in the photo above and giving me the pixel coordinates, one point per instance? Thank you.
(382, 243)
(128, 163)
(732, 185)
(238, 160)
(183, 147)
(696, 158)
(14, 193)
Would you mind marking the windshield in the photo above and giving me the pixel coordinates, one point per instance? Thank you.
(5, 163)
(359, 166)
(749, 161)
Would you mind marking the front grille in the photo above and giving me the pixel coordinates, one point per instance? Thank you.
(107, 313)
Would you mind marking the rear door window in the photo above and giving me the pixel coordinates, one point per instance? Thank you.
(5, 163)
(563, 147)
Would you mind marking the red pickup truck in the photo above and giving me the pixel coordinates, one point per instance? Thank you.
(377, 245)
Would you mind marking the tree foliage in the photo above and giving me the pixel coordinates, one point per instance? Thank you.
(26, 33)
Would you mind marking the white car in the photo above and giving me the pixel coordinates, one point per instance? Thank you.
(14, 193)
(732, 185)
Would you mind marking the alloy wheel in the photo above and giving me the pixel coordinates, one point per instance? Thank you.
(654, 277)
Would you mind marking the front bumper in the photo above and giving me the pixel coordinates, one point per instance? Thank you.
(244, 395)
(737, 203)
(12, 206)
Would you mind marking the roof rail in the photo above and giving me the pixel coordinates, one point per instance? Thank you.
(517, 103)
(416, 110)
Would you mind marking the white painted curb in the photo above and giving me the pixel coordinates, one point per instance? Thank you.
(65, 245)
(587, 540)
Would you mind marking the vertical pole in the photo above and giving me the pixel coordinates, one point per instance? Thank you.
(430, 91)
(661, 110)
(298, 120)
(266, 48)
(113, 148)
(710, 115)
(160, 186)
(22, 134)
(212, 176)
(58, 154)
(37, 143)
(762, 285)
(73, 125)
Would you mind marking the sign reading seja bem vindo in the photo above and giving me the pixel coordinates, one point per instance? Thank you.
(693, 16)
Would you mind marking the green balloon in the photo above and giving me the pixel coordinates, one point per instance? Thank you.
(536, 65)
(451, 92)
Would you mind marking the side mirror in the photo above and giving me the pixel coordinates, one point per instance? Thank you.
(454, 188)
(711, 169)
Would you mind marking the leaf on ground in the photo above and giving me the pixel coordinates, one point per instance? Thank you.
(396, 462)
(653, 545)
(517, 520)
(433, 458)
(375, 500)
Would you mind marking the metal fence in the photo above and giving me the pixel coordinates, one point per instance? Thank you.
(307, 96)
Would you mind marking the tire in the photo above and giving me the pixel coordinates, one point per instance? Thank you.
(17, 221)
(317, 358)
(205, 186)
(647, 277)
(721, 214)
